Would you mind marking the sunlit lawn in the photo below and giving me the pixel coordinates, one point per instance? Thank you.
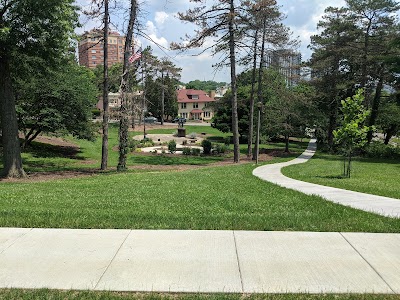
(11, 294)
(373, 176)
(227, 197)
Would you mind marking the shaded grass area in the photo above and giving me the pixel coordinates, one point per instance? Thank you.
(49, 158)
(228, 197)
(12, 294)
(171, 159)
(372, 176)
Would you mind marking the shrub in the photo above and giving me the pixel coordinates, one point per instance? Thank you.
(147, 143)
(133, 144)
(219, 148)
(96, 113)
(186, 151)
(207, 146)
(380, 150)
(227, 140)
(172, 146)
(196, 151)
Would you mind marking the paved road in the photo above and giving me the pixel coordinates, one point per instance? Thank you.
(200, 261)
(372, 203)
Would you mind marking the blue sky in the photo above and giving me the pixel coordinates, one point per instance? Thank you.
(160, 23)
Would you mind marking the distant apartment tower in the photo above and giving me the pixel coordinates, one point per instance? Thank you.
(91, 48)
(287, 62)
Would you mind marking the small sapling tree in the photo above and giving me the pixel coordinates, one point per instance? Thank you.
(352, 134)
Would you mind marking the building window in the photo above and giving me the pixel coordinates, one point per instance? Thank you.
(195, 105)
(184, 115)
(93, 51)
(183, 105)
(207, 114)
(195, 97)
(94, 57)
(95, 63)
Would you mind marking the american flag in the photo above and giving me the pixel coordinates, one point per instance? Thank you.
(135, 56)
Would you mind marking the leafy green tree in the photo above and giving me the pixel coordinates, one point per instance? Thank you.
(333, 76)
(59, 101)
(206, 86)
(289, 111)
(28, 28)
(389, 119)
(352, 134)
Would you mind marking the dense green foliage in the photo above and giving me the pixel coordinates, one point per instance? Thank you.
(154, 95)
(35, 35)
(58, 101)
(356, 49)
(352, 134)
(286, 110)
(206, 86)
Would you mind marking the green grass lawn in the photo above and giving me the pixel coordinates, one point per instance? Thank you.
(227, 197)
(12, 294)
(372, 176)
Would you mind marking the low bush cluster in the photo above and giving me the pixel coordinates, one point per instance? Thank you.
(219, 148)
(380, 150)
(191, 151)
(135, 144)
(172, 146)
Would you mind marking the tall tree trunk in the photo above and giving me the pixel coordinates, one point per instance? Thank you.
(253, 82)
(162, 97)
(235, 119)
(286, 143)
(124, 122)
(104, 147)
(364, 70)
(376, 103)
(9, 125)
(389, 134)
(333, 114)
(260, 75)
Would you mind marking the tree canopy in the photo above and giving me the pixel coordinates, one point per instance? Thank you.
(32, 31)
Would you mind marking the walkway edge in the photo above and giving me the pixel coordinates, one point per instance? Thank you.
(385, 206)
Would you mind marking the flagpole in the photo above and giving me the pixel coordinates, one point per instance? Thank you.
(144, 97)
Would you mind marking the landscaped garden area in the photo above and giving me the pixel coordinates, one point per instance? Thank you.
(209, 197)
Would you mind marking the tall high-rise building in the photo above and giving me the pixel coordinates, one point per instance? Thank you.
(90, 48)
(287, 62)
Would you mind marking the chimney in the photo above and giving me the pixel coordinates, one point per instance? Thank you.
(212, 94)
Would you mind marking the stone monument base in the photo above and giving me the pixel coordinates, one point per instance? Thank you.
(181, 132)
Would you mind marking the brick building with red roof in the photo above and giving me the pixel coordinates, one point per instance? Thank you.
(195, 105)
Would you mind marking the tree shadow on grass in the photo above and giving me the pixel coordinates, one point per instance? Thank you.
(41, 150)
(332, 177)
(173, 159)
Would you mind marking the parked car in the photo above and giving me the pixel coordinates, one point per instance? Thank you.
(150, 119)
(179, 120)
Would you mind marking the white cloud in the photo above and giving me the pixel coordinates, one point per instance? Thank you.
(152, 33)
(161, 17)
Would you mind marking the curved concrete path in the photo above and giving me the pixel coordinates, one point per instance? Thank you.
(377, 204)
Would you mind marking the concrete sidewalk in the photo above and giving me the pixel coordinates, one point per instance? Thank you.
(200, 261)
(372, 203)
